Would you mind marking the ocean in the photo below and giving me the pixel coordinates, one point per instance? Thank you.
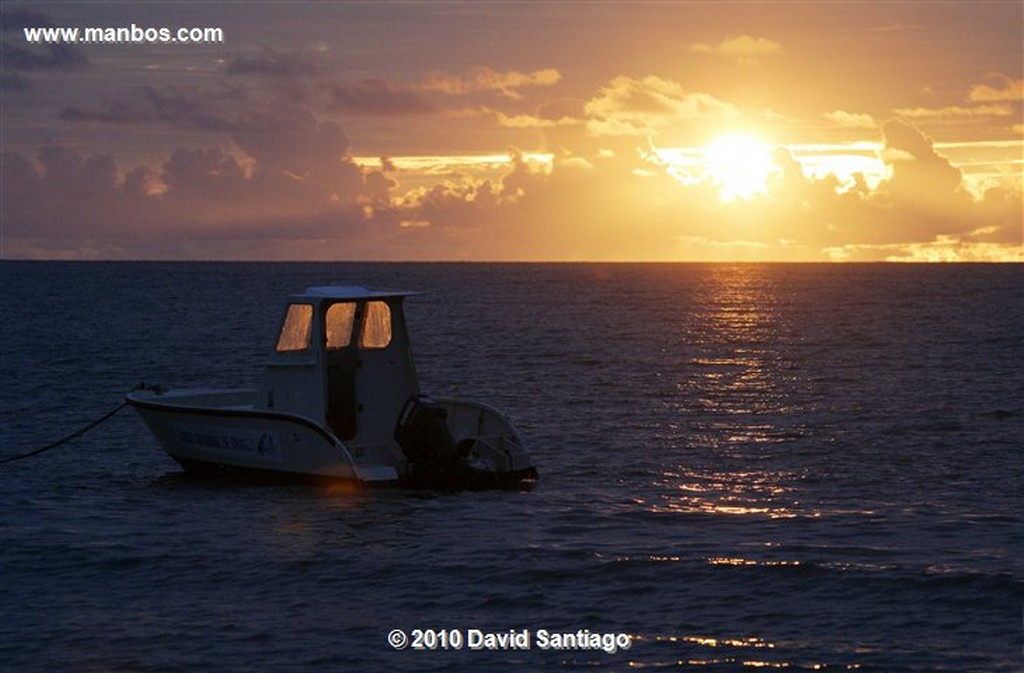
(742, 467)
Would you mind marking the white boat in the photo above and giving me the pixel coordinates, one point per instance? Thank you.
(339, 399)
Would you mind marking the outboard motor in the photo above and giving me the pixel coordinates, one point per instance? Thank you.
(437, 460)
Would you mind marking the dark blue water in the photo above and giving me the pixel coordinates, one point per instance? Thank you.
(742, 466)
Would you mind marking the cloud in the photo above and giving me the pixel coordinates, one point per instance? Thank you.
(940, 249)
(955, 112)
(267, 176)
(922, 181)
(204, 172)
(19, 57)
(954, 249)
(925, 198)
(289, 190)
(61, 194)
(999, 99)
(745, 49)
(277, 173)
(177, 109)
(643, 107)
(1008, 89)
(851, 120)
(378, 97)
(895, 28)
(526, 121)
(273, 63)
(12, 81)
(487, 79)
(200, 202)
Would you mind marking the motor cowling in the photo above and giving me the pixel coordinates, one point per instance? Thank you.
(436, 459)
(422, 432)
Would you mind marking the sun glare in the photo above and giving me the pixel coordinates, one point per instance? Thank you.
(739, 164)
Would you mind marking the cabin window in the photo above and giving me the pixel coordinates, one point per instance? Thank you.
(376, 326)
(296, 328)
(340, 318)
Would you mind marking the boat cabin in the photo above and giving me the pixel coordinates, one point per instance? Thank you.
(342, 358)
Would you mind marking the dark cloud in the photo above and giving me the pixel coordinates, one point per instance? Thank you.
(18, 56)
(203, 172)
(61, 193)
(377, 97)
(54, 56)
(10, 81)
(246, 113)
(286, 178)
(290, 138)
(273, 63)
(146, 105)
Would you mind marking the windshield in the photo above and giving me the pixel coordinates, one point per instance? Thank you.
(340, 318)
(296, 328)
(376, 326)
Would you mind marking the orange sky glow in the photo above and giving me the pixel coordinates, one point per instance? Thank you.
(601, 131)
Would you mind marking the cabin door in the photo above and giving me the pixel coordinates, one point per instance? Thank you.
(341, 394)
(342, 361)
(384, 378)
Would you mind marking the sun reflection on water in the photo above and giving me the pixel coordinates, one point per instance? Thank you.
(706, 650)
(738, 367)
(730, 642)
(742, 410)
(768, 493)
(735, 403)
(721, 560)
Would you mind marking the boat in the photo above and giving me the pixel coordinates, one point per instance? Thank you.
(339, 400)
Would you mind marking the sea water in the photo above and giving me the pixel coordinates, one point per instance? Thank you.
(808, 467)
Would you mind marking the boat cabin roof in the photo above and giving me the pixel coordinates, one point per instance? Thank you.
(347, 293)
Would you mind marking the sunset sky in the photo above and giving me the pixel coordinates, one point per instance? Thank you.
(691, 131)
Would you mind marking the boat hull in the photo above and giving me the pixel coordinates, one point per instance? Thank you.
(220, 431)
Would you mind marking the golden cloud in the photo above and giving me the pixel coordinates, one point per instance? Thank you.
(955, 111)
(525, 121)
(488, 79)
(744, 48)
(642, 107)
(850, 119)
(1010, 90)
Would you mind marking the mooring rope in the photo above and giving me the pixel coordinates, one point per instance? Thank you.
(64, 440)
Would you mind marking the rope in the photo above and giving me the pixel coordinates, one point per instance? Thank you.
(64, 440)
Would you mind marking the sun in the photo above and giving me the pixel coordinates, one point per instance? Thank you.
(739, 164)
